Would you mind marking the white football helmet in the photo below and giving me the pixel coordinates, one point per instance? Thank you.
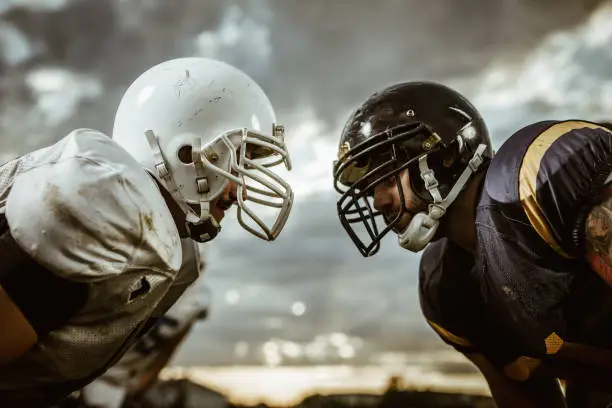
(191, 122)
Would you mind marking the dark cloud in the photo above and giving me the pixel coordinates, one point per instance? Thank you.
(355, 49)
(327, 55)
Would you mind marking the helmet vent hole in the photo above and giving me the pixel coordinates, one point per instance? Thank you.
(184, 154)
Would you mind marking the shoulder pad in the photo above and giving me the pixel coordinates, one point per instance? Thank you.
(84, 208)
(551, 171)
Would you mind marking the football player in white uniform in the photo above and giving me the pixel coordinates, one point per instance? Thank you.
(91, 227)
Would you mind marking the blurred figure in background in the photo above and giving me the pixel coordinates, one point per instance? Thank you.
(516, 272)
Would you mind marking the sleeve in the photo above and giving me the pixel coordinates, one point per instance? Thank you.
(564, 167)
(443, 295)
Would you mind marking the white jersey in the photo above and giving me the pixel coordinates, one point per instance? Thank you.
(142, 361)
(87, 211)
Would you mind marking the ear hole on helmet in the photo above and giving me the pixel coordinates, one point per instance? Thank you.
(184, 154)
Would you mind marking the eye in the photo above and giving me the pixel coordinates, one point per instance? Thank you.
(386, 183)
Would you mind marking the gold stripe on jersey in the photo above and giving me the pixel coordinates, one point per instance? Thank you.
(453, 338)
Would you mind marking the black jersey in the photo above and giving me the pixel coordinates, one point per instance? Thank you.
(528, 287)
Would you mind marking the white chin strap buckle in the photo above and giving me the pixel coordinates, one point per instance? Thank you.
(423, 226)
(419, 232)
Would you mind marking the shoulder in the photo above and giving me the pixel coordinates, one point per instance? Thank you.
(539, 144)
(83, 206)
(549, 171)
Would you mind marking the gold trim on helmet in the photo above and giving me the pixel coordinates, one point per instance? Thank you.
(343, 150)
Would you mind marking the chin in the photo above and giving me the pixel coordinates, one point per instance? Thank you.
(400, 229)
(218, 216)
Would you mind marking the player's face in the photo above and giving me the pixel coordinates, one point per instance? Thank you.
(387, 200)
(224, 202)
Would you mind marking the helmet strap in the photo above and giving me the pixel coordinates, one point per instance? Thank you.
(423, 226)
(203, 227)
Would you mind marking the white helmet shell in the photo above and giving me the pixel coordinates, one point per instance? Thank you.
(196, 124)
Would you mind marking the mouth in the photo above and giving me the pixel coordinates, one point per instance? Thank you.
(404, 219)
(389, 216)
(399, 228)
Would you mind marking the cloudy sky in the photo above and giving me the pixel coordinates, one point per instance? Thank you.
(309, 297)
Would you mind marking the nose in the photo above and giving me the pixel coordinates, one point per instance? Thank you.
(382, 198)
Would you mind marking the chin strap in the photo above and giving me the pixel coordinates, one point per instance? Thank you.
(201, 228)
(423, 226)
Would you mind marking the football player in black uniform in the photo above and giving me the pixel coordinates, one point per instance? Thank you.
(517, 262)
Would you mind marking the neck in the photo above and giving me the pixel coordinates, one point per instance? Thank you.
(462, 216)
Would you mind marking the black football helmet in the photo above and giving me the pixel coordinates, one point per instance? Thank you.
(425, 127)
